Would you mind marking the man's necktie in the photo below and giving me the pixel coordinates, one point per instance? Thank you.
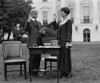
(36, 24)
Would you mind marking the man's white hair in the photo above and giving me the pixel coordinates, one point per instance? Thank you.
(32, 11)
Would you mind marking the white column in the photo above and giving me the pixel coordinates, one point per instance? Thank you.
(95, 12)
(77, 12)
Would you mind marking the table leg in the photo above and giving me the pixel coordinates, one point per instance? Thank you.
(58, 68)
(30, 77)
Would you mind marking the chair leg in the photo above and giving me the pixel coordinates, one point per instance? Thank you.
(45, 66)
(5, 72)
(20, 69)
(50, 65)
(30, 78)
(30, 75)
(25, 70)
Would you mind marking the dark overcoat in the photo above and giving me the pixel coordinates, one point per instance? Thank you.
(34, 37)
(33, 28)
(65, 35)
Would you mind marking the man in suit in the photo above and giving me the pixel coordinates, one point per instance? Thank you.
(33, 26)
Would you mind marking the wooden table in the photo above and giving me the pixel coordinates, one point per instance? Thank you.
(46, 50)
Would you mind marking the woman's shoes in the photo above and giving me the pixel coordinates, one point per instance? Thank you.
(67, 75)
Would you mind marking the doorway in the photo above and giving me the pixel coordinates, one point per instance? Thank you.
(86, 35)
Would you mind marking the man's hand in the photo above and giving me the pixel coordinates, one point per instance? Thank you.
(29, 18)
(43, 30)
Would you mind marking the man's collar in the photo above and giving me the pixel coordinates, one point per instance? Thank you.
(33, 19)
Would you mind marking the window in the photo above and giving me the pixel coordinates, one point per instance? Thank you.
(86, 19)
(44, 0)
(45, 18)
(86, 14)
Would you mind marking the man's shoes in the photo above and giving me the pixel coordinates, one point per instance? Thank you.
(60, 75)
(35, 73)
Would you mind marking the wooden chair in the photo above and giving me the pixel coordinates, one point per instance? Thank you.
(51, 58)
(12, 53)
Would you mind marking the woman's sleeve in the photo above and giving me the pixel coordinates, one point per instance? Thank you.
(69, 31)
(51, 32)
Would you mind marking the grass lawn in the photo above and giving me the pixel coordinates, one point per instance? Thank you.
(85, 67)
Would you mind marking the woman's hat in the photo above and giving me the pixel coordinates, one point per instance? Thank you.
(66, 10)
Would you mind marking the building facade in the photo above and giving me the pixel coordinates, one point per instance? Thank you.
(85, 15)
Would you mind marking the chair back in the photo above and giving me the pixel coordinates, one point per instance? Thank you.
(11, 49)
(54, 42)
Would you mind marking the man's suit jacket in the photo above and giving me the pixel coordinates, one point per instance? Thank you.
(32, 28)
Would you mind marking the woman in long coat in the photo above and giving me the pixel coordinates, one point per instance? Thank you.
(64, 38)
(64, 35)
